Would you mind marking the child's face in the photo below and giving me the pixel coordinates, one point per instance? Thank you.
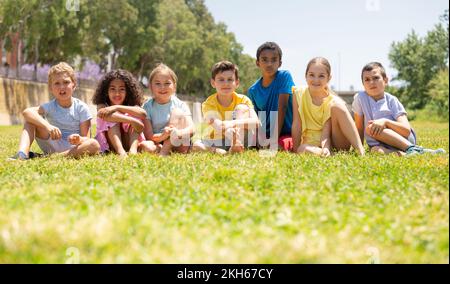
(374, 83)
(317, 77)
(62, 87)
(117, 92)
(162, 86)
(225, 83)
(269, 62)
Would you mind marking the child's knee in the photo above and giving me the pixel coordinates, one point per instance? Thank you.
(148, 147)
(338, 108)
(92, 145)
(198, 147)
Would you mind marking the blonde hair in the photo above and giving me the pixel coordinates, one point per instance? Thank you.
(59, 68)
(163, 68)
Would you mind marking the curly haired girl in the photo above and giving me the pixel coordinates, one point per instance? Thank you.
(119, 118)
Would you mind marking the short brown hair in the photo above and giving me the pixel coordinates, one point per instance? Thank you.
(373, 65)
(223, 66)
(59, 68)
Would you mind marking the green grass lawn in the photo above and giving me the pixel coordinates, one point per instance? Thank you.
(237, 209)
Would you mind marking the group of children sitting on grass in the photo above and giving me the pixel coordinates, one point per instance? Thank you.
(275, 114)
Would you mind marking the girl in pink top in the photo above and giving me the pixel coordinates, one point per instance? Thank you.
(119, 118)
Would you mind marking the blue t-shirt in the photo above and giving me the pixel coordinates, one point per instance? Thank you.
(388, 107)
(68, 120)
(266, 99)
(159, 115)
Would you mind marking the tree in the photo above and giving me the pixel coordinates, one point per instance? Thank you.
(439, 93)
(419, 60)
(129, 34)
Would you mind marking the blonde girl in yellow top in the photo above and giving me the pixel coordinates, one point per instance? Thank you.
(321, 120)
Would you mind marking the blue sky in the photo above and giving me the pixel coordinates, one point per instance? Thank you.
(349, 33)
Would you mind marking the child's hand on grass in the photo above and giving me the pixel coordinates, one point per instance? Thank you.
(326, 152)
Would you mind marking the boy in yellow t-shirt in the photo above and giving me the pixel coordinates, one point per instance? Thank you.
(229, 115)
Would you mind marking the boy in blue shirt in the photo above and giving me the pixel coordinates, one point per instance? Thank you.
(381, 118)
(61, 125)
(273, 93)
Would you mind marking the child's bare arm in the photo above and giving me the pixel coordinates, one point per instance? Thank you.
(148, 130)
(121, 118)
(160, 137)
(33, 115)
(359, 122)
(189, 129)
(401, 126)
(283, 100)
(149, 135)
(85, 128)
(325, 139)
(77, 139)
(103, 111)
(296, 131)
(245, 123)
(133, 110)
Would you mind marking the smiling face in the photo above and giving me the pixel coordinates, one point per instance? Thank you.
(317, 77)
(62, 87)
(374, 83)
(117, 92)
(162, 87)
(225, 82)
(268, 62)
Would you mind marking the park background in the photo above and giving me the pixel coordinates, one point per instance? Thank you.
(201, 208)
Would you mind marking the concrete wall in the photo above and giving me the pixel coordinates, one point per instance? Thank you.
(17, 95)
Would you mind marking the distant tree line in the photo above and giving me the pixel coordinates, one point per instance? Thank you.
(130, 34)
(422, 65)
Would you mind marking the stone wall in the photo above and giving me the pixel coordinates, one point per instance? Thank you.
(17, 95)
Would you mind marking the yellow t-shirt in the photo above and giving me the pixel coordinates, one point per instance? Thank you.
(313, 117)
(212, 107)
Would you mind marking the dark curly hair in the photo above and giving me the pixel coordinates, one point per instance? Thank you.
(134, 94)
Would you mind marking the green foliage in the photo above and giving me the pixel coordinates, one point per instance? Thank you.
(439, 93)
(131, 34)
(419, 60)
(202, 208)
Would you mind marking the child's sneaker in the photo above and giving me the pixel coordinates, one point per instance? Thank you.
(417, 150)
(19, 156)
(33, 155)
(434, 152)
